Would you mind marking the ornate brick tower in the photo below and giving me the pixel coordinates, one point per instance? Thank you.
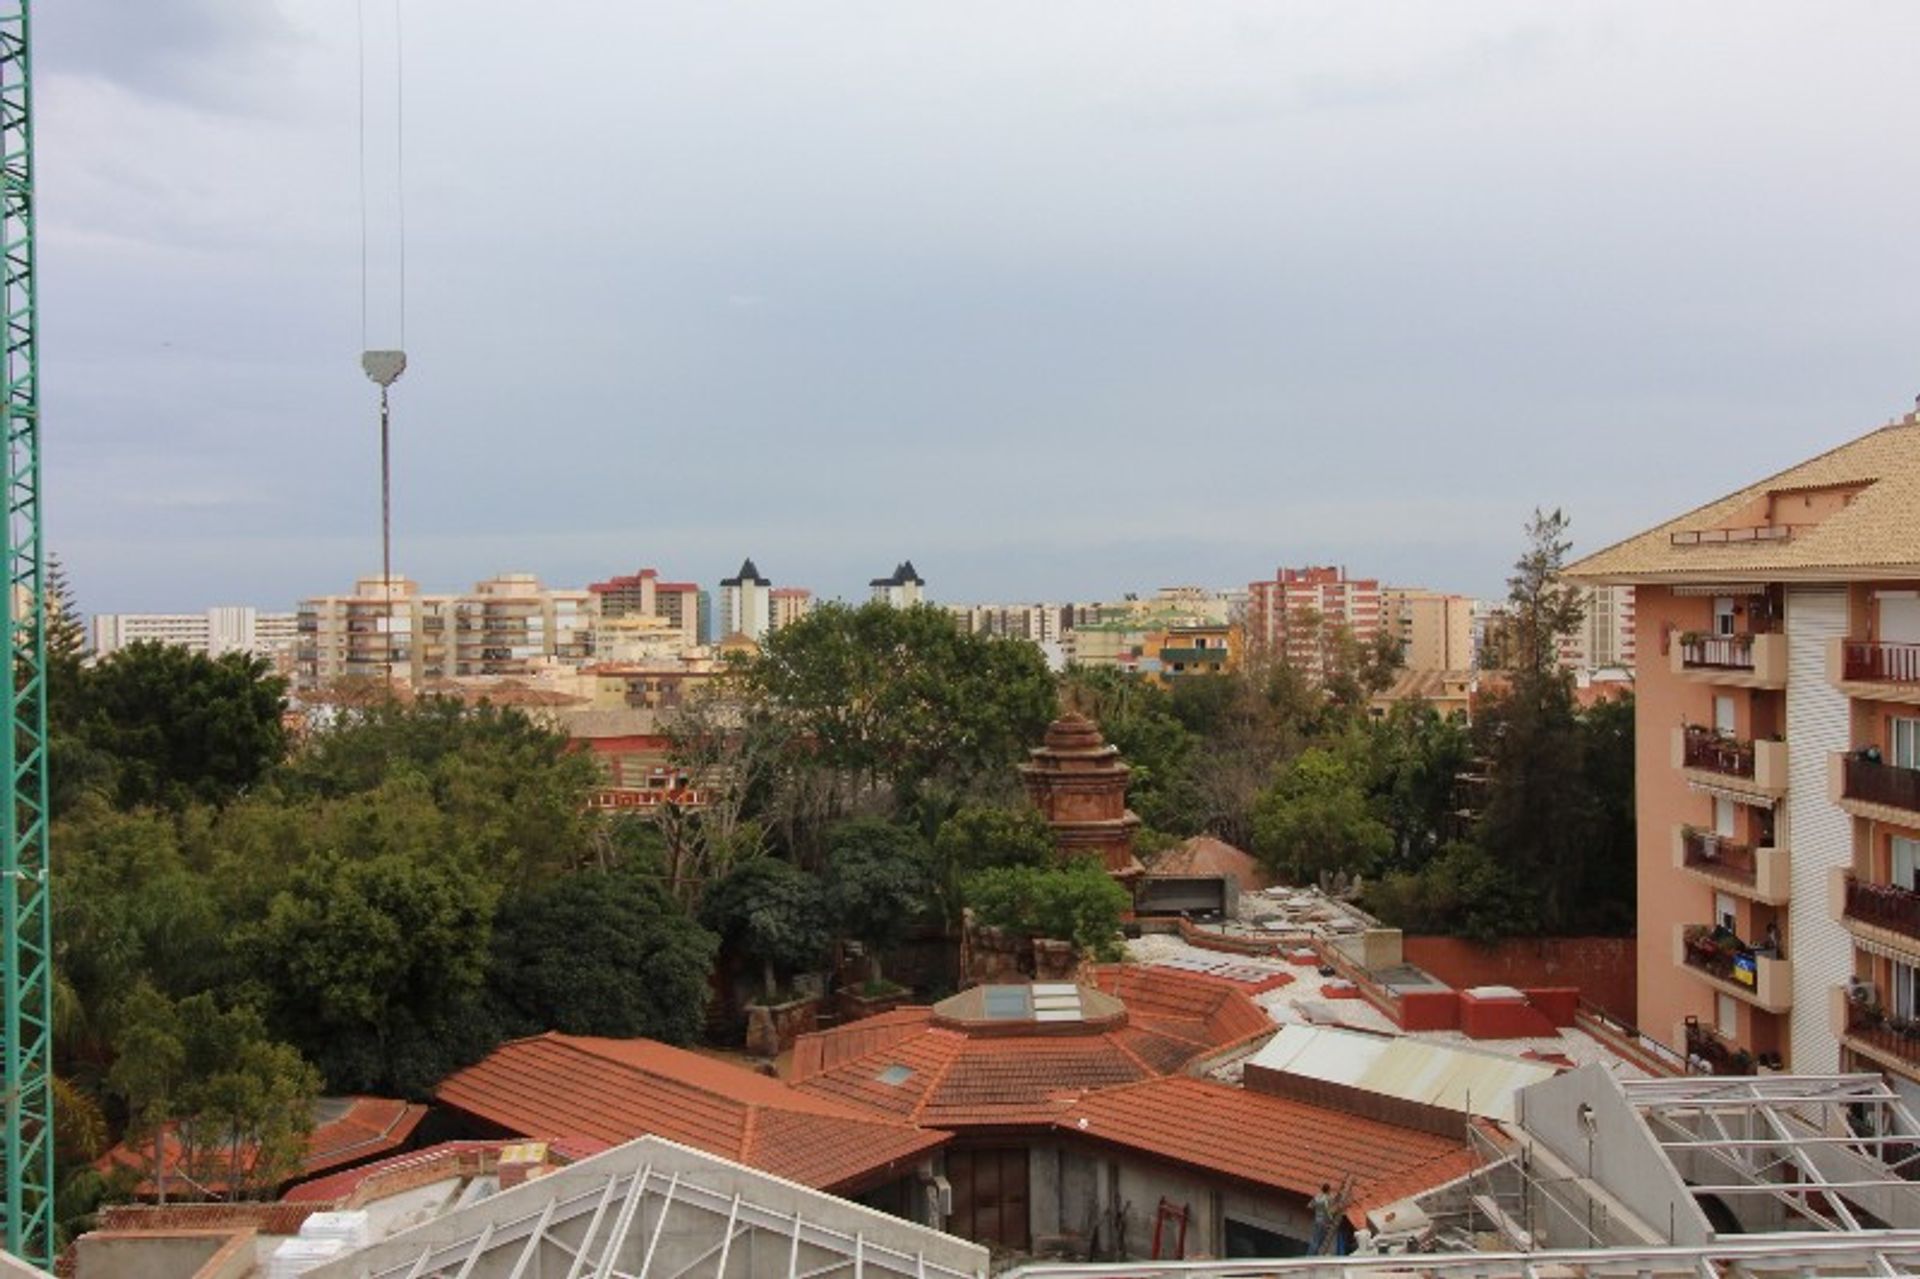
(1079, 783)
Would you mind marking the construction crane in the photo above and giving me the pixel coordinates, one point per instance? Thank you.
(26, 956)
(384, 365)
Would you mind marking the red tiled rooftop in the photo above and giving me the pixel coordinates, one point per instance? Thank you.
(347, 1131)
(1273, 1142)
(935, 1071)
(615, 1090)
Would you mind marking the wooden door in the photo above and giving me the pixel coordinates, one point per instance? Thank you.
(990, 1196)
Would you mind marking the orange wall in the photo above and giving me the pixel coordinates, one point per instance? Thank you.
(1602, 967)
(1668, 897)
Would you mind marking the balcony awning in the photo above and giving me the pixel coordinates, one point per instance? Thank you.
(1748, 798)
(1720, 588)
(1885, 950)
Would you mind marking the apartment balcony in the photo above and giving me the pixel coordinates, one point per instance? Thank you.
(1729, 763)
(1760, 874)
(1891, 1041)
(1877, 791)
(1722, 1055)
(1883, 672)
(1886, 913)
(1734, 969)
(1735, 661)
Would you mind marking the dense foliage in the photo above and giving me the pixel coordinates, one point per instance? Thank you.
(1078, 902)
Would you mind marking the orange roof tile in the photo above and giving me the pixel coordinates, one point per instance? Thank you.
(347, 1130)
(1275, 1142)
(615, 1090)
(907, 1065)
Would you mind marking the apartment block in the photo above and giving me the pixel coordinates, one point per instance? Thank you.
(788, 604)
(1777, 638)
(228, 628)
(1605, 638)
(508, 625)
(1291, 616)
(1040, 623)
(1435, 630)
(643, 594)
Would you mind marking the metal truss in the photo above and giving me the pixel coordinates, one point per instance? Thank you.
(1878, 1253)
(655, 1210)
(26, 1045)
(1815, 1144)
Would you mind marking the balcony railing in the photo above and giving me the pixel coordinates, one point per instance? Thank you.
(1717, 652)
(1715, 958)
(1894, 1035)
(1881, 663)
(1717, 855)
(1714, 753)
(1722, 1057)
(1872, 782)
(1884, 906)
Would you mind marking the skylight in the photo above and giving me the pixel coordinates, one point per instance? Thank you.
(894, 1076)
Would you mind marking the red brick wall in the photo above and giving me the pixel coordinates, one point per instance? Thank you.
(267, 1218)
(1603, 968)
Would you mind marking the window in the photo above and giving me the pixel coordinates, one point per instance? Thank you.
(1906, 743)
(1723, 715)
(1906, 863)
(1723, 817)
(1723, 615)
(1726, 1015)
(1906, 991)
(1723, 910)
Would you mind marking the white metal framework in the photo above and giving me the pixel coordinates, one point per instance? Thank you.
(652, 1209)
(1834, 1152)
(1886, 1253)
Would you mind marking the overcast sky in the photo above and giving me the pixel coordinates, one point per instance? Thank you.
(1058, 299)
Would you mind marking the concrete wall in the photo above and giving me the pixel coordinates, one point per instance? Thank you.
(1584, 1118)
(184, 1254)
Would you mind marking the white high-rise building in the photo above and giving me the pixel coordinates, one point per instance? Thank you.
(903, 589)
(227, 628)
(746, 603)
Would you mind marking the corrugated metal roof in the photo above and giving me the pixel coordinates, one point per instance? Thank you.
(1408, 1069)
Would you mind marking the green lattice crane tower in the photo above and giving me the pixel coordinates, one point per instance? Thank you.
(26, 958)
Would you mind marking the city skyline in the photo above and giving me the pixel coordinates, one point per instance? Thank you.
(1058, 304)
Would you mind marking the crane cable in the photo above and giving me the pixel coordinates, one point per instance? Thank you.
(384, 367)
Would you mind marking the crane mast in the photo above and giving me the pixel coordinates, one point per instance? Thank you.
(26, 957)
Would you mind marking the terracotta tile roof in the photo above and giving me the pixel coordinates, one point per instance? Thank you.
(982, 1075)
(1274, 1142)
(1873, 535)
(615, 1090)
(1205, 855)
(347, 1130)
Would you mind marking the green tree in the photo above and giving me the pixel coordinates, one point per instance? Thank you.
(879, 881)
(1462, 892)
(181, 726)
(238, 1104)
(149, 1073)
(980, 837)
(772, 912)
(897, 697)
(601, 953)
(1542, 607)
(1417, 756)
(1078, 902)
(1315, 817)
(373, 967)
(512, 791)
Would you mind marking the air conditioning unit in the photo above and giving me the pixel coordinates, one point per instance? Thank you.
(1862, 991)
(943, 1197)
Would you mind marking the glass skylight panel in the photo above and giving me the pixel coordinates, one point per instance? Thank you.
(1007, 1003)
